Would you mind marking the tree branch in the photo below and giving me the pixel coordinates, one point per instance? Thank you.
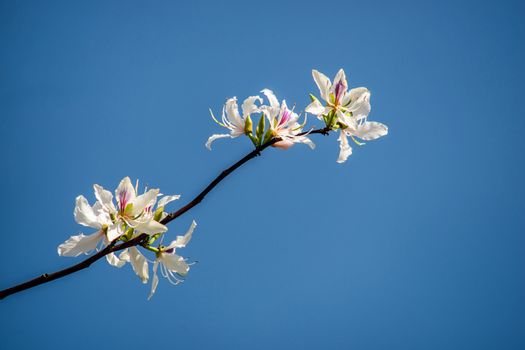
(113, 247)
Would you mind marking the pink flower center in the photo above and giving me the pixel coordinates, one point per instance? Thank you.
(123, 200)
(340, 88)
(285, 117)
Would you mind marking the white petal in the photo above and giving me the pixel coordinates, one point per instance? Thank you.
(84, 214)
(150, 227)
(155, 280)
(323, 83)
(371, 131)
(342, 117)
(340, 76)
(274, 103)
(79, 244)
(167, 199)
(284, 144)
(113, 260)
(103, 217)
(114, 232)
(139, 264)
(143, 201)
(270, 113)
(232, 112)
(105, 198)
(125, 193)
(181, 241)
(315, 108)
(360, 103)
(215, 137)
(249, 106)
(308, 142)
(174, 263)
(344, 148)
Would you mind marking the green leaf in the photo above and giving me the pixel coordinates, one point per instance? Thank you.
(312, 97)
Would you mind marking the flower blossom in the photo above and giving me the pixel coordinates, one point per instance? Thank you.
(283, 123)
(347, 110)
(133, 255)
(172, 266)
(232, 120)
(112, 221)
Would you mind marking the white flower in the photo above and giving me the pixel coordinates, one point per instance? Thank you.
(132, 255)
(172, 265)
(94, 217)
(135, 258)
(346, 109)
(112, 221)
(284, 123)
(232, 120)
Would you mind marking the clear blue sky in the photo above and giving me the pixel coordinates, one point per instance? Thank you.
(417, 242)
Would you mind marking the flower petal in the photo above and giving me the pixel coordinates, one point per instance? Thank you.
(249, 106)
(323, 83)
(113, 260)
(84, 214)
(371, 131)
(340, 77)
(150, 227)
(359, 102)
(284, 144)
(181, 241)
(315, 108)
(274, 103)
(139, 264)
(80, 244)
(155, 280)
(307, 142)
(125, 193)
(105, 198)
(114, 231)
(215, 137)
(174, 263)
(143, 201)
(232, 112)
(167, 199)
(344, 148)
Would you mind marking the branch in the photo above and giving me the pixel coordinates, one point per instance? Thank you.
(113, 247)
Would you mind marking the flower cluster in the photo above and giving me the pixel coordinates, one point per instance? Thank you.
(282, 122)
(343, 110)
(132, 215)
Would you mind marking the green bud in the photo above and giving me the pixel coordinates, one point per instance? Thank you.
(248, 126)
(260, 128)
(255, 141)
(330, 119)
(268, 136)
(158, 214)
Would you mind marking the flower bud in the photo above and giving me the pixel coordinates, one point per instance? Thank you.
(248, 126)
(260, 127)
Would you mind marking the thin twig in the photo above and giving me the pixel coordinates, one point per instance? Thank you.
(113, 247)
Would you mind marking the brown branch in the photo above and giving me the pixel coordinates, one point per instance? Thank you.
(113, 247)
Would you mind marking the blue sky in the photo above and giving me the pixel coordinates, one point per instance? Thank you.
(416, 242)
